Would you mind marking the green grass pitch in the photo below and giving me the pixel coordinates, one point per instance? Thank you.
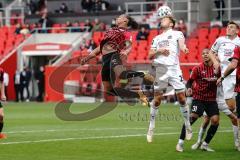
(35, 133)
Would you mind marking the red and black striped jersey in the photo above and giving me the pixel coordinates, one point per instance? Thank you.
(116, 37)
(204, 79)
(237, 56)
(1, 74)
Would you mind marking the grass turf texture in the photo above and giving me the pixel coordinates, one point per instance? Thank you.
(34, 132)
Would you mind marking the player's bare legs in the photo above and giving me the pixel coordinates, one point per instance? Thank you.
(179, 147)
(205, 124)
(184, 108)
(211, 132)
(121, 72)
(229, 111)
(107, 88)
(231, 103)
(202, 130)
(154, 105)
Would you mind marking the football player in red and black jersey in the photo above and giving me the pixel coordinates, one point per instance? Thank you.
(202, 86)
(115, 47)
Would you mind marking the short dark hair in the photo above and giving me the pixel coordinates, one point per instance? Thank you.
(173, 20)
(234, 23)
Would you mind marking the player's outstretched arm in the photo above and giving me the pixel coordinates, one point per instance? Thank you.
(93, 54)
(182, 45)
(231, 67)
(214, 59)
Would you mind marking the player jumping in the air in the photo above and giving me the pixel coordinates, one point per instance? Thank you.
(114, 48)
(165, 52)
(3, 98)
(204, 93)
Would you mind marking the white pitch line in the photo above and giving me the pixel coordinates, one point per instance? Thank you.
(91, 138)
(84, 129)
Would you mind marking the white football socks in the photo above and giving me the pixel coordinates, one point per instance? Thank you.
(235, 133)
(186, 114)
(201, 134)
(153, 114)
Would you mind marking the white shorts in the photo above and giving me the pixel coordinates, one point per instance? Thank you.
(228, 87)
(171, 75)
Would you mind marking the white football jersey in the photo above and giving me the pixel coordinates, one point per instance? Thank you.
(169, 41)
(224, 48)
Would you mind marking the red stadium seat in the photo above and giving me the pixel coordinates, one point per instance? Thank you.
(223, 32)
(192, 43)
(76, 53)
(142, 43)
(202, 33)
(134, 45)
(183, 58)
(134, 35)
(214, 31)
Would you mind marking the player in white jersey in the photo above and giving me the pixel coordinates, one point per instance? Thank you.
(223, 48)
(165, 52)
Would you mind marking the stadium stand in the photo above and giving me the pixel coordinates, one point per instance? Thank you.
(202, 36)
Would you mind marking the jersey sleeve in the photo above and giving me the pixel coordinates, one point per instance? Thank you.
(216, 45)
(180, 35)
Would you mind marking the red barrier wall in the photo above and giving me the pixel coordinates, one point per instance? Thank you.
(10, 66)
(50, 93)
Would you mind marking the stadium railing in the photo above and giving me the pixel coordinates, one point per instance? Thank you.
(14, 11)
(232, 8)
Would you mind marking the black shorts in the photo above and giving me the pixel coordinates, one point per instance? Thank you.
(210, 107)
(1, 106)
(109, 61)
(238, 104)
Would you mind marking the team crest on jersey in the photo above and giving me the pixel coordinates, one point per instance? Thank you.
(169, 37)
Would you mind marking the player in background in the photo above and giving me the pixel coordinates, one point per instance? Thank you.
(115, 47)
(235, 63)
(165, 52)
(222, 106)
(223, 48)
(3, 98)
(204, 90)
